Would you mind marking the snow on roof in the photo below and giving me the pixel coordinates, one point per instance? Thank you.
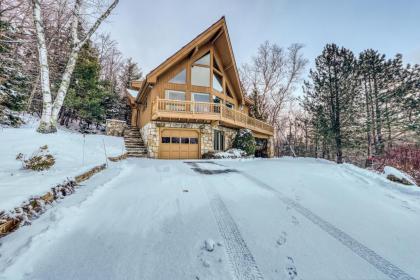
(132, 92)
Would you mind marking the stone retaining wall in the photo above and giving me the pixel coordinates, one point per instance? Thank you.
(115, 127)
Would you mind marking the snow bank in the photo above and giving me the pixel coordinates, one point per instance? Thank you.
(74, 154)
(390, 172)
(231, 153)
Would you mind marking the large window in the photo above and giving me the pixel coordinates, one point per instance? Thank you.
(201, 97)
(200, 71)
(217, 82)
(179, 78)
(176, 96)
(219, 140)
(204, 60)
(217, 100)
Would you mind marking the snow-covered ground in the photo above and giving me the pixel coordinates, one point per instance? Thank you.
(74, 154)
(242, 219)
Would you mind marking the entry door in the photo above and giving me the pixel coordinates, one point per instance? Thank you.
(179, 144)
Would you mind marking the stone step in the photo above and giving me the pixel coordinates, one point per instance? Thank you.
(135, 147)
(141, 143)
(137, 155)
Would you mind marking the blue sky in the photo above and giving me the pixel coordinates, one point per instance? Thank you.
(150, 31)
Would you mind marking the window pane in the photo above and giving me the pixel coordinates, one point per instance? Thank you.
(180, 78)
(229, 105)
(166, 139)
(219, 140)
(200, 76)
(205, 60)
(175, 95)
(201, 97)
(175, 140)
(193, 140)
(217, 82)
(185, 140)
(219, 101)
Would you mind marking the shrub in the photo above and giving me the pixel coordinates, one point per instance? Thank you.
(402, 157)
(244, 140)
(40, 160)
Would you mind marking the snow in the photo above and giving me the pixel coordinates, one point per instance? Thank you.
(132, 92)
(73, 152)
(389, 170)
(282, 218)
(231, 153)
(209, 245)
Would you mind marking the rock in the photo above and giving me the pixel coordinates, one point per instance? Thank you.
(403, 181)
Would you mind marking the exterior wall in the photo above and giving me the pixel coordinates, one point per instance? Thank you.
(270, 147)
(151, 135)
(115, 127)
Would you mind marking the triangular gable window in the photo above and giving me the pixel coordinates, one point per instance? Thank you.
(204, 60)
(180, 78)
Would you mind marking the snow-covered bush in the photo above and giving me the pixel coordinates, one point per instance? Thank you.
(231, 153)
(40, 160)
(244, 140)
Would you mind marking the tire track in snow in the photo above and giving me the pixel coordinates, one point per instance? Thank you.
(380, 263)
(240, 257)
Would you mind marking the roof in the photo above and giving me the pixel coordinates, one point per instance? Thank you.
(216, 31)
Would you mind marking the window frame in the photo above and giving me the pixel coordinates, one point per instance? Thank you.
(218, 140)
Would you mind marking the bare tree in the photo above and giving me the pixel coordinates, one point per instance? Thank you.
(270, 79)
(51, 108)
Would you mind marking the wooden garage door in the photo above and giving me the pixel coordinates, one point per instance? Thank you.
(179, 144)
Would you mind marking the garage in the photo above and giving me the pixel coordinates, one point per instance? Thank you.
(179, 144)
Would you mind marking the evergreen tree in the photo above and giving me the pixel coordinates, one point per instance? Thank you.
(12, 78)
(87, 98)
(330, 97)
(130, 72)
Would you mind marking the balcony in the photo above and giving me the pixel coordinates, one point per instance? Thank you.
(206, 111)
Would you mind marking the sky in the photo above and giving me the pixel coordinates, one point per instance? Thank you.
(151, 31)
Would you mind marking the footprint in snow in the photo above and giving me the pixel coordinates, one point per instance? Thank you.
(295, 221)
(282, 239)
(290, 269)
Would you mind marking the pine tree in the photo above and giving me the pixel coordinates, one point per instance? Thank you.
(87, 97)
(331, 97)
(12, 78)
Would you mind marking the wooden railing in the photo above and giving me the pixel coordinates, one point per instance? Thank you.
(214, 111)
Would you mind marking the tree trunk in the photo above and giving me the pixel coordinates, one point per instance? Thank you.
(379, 150)
(45, 125)
(368, 122)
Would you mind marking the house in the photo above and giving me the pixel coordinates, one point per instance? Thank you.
(193, 103)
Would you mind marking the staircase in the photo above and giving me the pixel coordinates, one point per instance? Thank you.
(134, 143)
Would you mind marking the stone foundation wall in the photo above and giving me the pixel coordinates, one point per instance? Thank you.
(115, 127)
(151, 136)
(270, 147)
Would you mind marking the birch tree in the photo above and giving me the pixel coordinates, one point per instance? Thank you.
(271, 78)
(52, 106)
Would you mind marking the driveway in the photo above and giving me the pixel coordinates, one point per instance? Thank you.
(252, 219)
